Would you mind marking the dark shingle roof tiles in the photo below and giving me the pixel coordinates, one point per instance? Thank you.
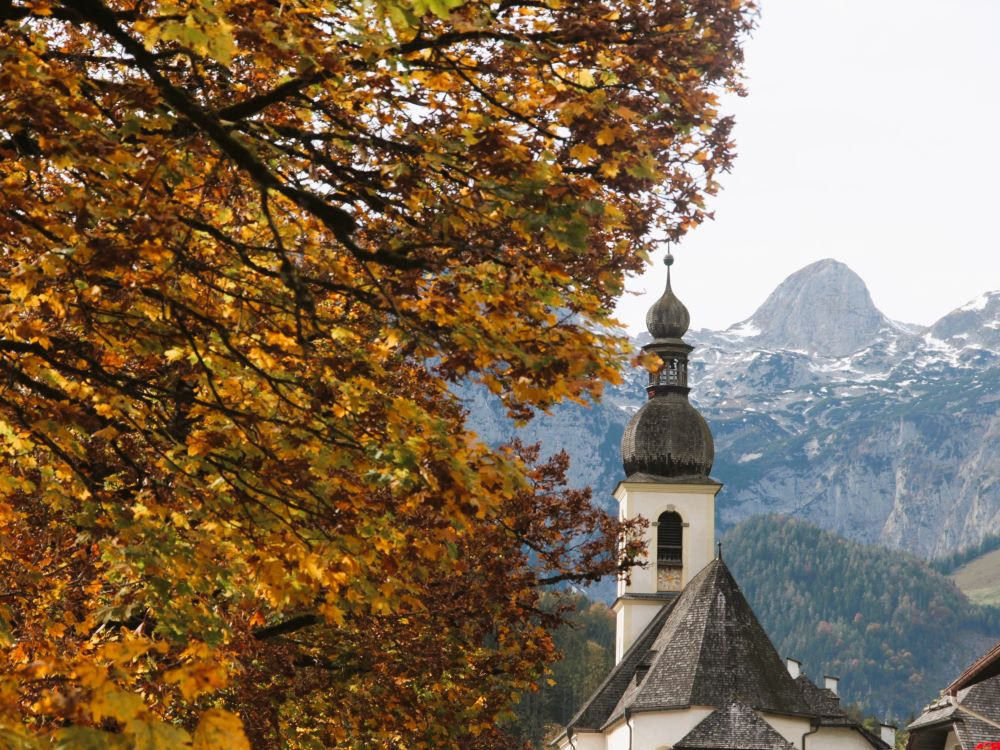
(710, 650)
(733, 727)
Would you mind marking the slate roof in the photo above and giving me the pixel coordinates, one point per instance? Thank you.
(733, 727)
(822, 702)
(706, 648)
(971, 731)
(933, 715)
(962, 712)
(598, 708)
(983, 698)
(667, 436)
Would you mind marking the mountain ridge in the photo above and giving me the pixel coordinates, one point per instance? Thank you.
(895, 442)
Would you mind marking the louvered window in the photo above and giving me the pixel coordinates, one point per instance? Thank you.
(669, 536)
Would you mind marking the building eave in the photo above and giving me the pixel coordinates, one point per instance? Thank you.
(620, 716)
(649, 483)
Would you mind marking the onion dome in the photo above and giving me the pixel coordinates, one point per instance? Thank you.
(668, 318)
(667, 437)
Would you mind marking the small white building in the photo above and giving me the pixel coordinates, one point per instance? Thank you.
(694, 668)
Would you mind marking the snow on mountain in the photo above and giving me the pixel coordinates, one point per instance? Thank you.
(824, 408)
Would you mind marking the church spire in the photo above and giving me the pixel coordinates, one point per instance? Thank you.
(667, 437)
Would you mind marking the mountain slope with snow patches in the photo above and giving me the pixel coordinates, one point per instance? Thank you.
(824, 408)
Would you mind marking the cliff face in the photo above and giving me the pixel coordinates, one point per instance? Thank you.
(825, 409)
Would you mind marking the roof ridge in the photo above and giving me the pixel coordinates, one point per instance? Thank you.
(700, 664)
(644, 641)
(689, 593)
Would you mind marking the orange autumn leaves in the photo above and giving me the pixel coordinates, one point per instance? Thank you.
(247, 251)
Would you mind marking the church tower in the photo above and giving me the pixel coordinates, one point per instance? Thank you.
(694, 668)
(667, 452)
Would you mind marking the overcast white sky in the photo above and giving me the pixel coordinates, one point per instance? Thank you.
(871, 134)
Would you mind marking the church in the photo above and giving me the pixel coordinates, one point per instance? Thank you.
(694, 669)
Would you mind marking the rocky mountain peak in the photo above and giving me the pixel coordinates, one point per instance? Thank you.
(824, 309)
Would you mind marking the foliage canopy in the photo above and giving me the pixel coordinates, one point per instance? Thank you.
(247, 246)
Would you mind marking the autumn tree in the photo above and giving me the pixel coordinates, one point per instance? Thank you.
(247, 248)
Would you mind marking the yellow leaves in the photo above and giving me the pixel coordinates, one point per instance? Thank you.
(583, 153)
(205, 29)
(627, 114)
(20, 287)
(122, 652)
(606, 135)
(332, 613)
(282, 341)
(220, 729)
(198, 677)
(107, 433)
(17, 440)
(319, 461)
(110, 703)
(203, 442)
(610, 169)
(156, 735)
(202, 671)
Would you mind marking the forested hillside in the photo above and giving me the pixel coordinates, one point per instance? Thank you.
(587, 646)
(894, 630)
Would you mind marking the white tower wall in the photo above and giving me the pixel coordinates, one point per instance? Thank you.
(637, 604)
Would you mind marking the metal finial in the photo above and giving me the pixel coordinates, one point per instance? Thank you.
(668, 261)
(720, 549)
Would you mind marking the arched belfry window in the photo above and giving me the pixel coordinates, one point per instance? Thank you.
(669, 539)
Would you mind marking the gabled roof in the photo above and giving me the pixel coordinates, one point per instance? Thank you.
(985, 667)
(733, 727)
(971, 732)
(935, 714)
(706, 648)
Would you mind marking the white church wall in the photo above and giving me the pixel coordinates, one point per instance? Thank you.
(584, 741)
(951, 741)
(630, 621)
(790, 727)
(837, 738)
(656, 729)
